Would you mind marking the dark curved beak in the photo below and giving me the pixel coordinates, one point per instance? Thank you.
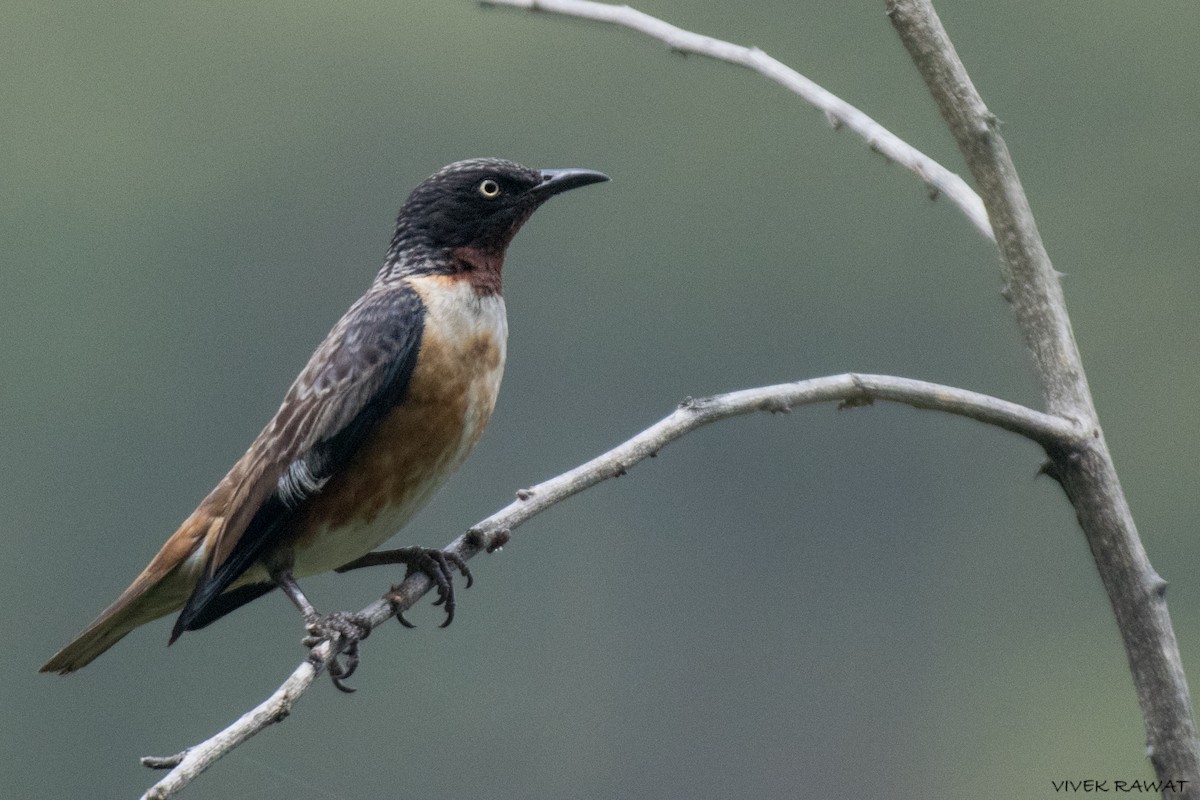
(557, 181)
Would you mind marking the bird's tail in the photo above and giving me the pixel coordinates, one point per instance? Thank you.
(162, 587)
(137, 605)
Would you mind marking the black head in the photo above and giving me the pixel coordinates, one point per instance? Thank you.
(478, 204)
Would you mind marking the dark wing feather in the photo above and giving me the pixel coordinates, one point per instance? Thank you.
(354, 378)
(222, 604)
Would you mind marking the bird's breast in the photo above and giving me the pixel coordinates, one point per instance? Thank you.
(421, 441)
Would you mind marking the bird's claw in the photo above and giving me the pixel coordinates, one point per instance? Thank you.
(344, 630)
(439, 566)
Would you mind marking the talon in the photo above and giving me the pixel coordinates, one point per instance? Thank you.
(351, 666)
(459, 562)
(344, 630)
(339, 673)
(439, 567)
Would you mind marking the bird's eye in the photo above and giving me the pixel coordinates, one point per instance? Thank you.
(489, 188)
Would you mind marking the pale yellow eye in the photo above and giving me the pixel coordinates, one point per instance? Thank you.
(489, 188)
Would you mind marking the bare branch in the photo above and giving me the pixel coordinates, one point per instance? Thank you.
(838, 112)
(1086, 472)
(187, 766)
(851, 390)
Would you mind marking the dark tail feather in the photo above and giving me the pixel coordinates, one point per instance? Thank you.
(218, 607)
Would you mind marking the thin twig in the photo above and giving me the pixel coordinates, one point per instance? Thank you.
(187, 766)
(851, 390)
(838, 112)
(1086, 472)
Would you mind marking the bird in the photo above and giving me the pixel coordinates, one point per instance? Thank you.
(386, 409)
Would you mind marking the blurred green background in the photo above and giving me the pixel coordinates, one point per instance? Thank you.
(879, 603)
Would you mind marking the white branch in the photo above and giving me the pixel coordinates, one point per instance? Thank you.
(850, 389)
(188, 765)
(838, 112)
(1136, 591)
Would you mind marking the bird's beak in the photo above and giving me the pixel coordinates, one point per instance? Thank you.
(556, 181)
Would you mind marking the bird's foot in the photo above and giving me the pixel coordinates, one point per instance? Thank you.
(344, 630)
(439, 566)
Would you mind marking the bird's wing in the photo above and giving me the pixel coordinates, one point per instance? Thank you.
(356, 376)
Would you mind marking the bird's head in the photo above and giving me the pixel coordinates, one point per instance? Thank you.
(477, 206)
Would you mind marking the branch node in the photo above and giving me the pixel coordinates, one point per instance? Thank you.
(314, 658)
(476, 538)
(164, 762)
(1050, 470)
(856, 401)
(860, 397)
(480, 538)
(695, 404)
(524, 494)
(500, 538)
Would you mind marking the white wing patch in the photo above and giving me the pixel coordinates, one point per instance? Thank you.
(298, 483)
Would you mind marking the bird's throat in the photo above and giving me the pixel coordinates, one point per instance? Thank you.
(481, 267)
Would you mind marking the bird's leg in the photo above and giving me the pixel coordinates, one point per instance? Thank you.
(437, 564)
(344, 629)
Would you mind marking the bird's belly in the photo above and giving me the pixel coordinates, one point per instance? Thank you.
(330, 544)
(418, 444)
